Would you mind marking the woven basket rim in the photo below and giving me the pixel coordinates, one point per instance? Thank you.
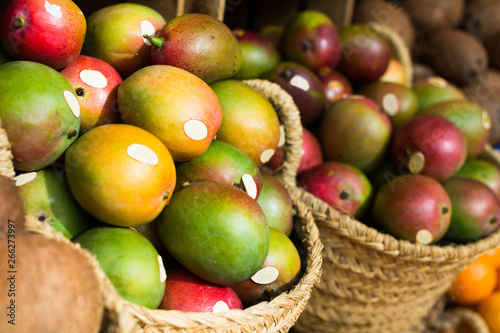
(400, 51)
(289, 115)
(261, 314)
(280, 313)
(364, 235)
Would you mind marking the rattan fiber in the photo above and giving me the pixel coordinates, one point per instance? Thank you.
(277, 315)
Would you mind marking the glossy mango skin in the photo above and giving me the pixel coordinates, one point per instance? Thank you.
(311, 39)
(341, 185)
(276, 203)
(40, 123)
(355, 131)
(199, 44)
(115, 35)
(114, 185)
(476, 209)
(130, 261)
(52, 33)
(285, 257)
(472, 120)
(304, 86)
(410, 203)
(482, 171)
(98, 105)
(216, 231)
(249, 121)
(406, 105)
(258, 54)
(222, 162)
(48, 198)
(365, 54)
(434, 90)
(162, 99)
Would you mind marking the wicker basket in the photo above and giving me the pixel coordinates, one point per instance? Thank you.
(277, 315)
(373, 282)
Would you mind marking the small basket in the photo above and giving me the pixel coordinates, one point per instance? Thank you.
(277, 315)
(371, 281)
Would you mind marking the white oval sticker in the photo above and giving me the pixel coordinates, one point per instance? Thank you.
(163, 273)
(249, 185)
(147, 28)
(266, 275)
(282, 140)
(220, 306)
(72, 102)
(424, 237)
(24, 178)
(93, 78)
(300, 82)
(142, 154)
(266, 155)
(390, 104)
(195, 129)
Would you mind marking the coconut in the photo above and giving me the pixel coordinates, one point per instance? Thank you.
(11, 208)
(48, 286)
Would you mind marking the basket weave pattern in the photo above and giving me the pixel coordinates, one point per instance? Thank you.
(277, 315)
(371, 281)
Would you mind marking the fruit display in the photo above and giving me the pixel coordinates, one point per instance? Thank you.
(163, 148)
(145, 150)
(407, 142)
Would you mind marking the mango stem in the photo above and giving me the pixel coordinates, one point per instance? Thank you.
(157, 42)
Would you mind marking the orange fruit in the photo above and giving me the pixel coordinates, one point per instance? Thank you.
(494, 255)
(489, 309)
(120, 174)
(474, 283)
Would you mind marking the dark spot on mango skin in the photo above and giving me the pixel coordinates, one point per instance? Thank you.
(80, 91)
(72, 133)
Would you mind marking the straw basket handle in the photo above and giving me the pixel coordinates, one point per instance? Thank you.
(399, 49)
(289, 115)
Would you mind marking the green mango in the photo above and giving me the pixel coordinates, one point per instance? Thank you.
(216, 231)
(434, 90)
(311, 39)
(276, 203)
(472, 120)
(249, 120)
(48, 198)
(476, 210)
(40, 113)
(130, 261)
(115, 35)
(482, 171)
(259, 54)
(225, 163)
(198, 43)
